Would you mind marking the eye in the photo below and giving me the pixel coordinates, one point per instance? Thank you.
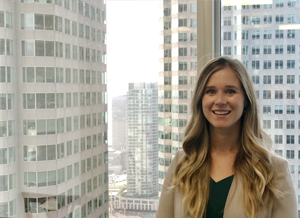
(210, 91)
(230, 91)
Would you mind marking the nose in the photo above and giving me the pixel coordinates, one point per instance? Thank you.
(220, 99)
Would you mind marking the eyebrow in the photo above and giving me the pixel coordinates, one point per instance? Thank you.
(210, 87)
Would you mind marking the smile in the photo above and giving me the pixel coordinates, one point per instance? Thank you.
(221, 112)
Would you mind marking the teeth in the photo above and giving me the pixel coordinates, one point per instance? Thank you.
(221, 112)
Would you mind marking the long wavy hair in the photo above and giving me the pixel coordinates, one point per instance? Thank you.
(253, 162)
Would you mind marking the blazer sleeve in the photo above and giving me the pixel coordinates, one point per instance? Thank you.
(285, 206)
(166, 202)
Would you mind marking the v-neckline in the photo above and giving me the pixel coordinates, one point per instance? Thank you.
(221, 179)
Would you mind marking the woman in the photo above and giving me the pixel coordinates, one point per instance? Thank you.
(226, 168)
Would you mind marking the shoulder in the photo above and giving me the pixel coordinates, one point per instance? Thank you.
(279, 163)
(179, 155)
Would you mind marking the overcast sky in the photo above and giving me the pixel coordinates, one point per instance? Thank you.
(132, 45)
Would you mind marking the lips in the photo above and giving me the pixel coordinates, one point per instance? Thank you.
(221, 112)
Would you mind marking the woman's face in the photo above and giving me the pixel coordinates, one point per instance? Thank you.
(223, 100)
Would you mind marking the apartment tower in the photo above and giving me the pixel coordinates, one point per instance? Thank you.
(53, 109)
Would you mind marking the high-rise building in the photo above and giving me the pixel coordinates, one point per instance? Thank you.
(119, 122)
(53, 109)
(141, 140)
(266, 38)
(177, 77)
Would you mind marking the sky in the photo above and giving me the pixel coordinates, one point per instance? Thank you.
(132, 46)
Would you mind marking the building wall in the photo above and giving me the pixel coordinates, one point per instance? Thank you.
(141, 141)
(57, 128)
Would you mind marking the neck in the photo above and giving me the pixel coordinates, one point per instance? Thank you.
(224, 140)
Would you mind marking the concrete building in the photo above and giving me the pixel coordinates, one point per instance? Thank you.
(141, 141)
(53, 109)
(266, 38)
(176, 78)
(119, 122)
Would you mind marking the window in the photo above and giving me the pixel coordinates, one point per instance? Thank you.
(266, 94)
(278, 34)
(227, 50)
(278, 124)
(227, 35)
(167, 25)
(255, 65)
(279, 19)
(278, 139)
(267, 109)
(193, 22)
(182, 37)
(290, 109)
(278, 94)
(267, 64)
(291, 49)
(193, 8)
(255, 20)
(290, 154)
(290, 34)
(278, 64)
(244, 50)
(291, 18)
(278, 79)
(278, 109)
(267, 34)
(227, 21)
(255, 79)
(182, 8)
(290, 139)
(167, 53)
(255, 49)
(290, 64)
(290, 79)
(255, 34)
(290, 124)
(182, 22)
(245, 20)
(278, 49)
(182, 66)
(291, 3)
(182, 51)
(245, 34)
(267, 19)
(167, 11)
(267, 124)
(267, 80)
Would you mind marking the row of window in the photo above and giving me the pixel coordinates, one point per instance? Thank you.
(164, 161)
(277, 4)
(59, 75)
(182, 37)
(182, 109)
(181, 66)
(79, 6)
(290, 94)
(56, 177)
(176, 80)
(55, 152)
(290, 154)
(171, 135)
(182, 8)
(255, 34)
(290, 139)
(167, 149)
(183, 51)
(267, 79)
(6, 19)
(174, 94)
(59, 100)
(55, 49)
(45, 204)
(52, 22)
(257, 19)
(278, 124)
(266, 49)
(267, 64)
(278, 109)
(172, 122)
(60, 125)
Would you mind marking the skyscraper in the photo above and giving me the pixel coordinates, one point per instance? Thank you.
(141, 140)
(53, 109)
(176, 78)
(266, 38)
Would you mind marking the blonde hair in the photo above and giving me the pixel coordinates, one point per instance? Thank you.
(253, 162)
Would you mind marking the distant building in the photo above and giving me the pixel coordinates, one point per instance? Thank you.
(119, 122)
(141, 140)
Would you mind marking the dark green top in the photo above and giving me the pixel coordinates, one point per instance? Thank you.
(217, 197)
